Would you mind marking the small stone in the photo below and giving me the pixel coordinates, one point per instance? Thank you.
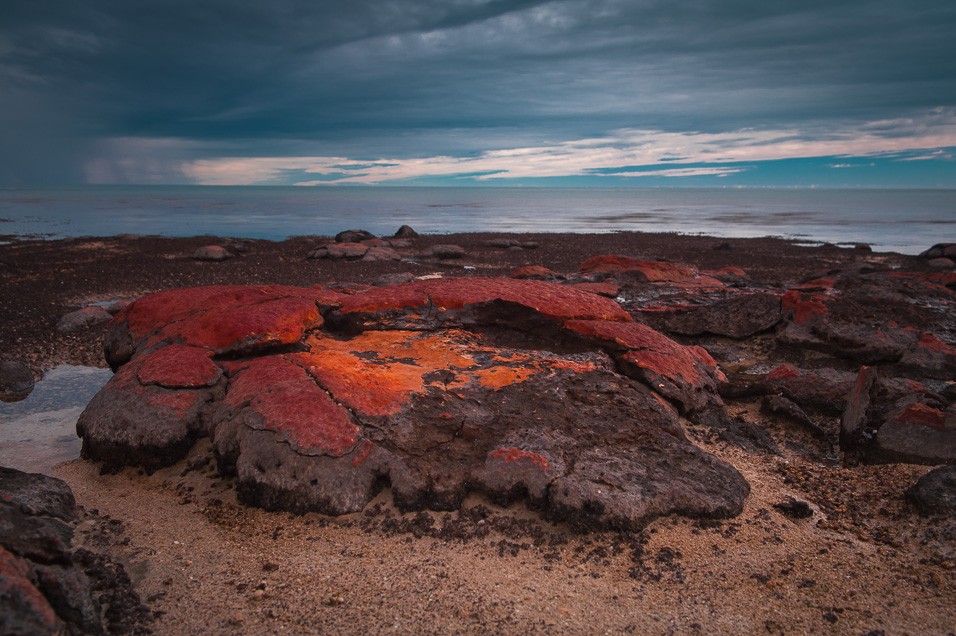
(794, 508)
(212, 253)
(529, 245)
(387, 280)
(534, 271)
(348, 251)
(446, 251)
(82, 319)
(501, 243)
(16, 381)
(353, 236)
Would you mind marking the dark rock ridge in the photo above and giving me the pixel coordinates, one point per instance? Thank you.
(315, 400)
(46, 587)
(864, 357)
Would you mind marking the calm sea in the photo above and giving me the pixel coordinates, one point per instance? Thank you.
(907, 221)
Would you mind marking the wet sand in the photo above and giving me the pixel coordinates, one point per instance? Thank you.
(863, 563)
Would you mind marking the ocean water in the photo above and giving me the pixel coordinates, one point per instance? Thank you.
(907, 221)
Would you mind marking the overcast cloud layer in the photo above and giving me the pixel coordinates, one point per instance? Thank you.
(478, 91)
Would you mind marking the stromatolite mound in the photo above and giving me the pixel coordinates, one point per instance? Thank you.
(315, 400)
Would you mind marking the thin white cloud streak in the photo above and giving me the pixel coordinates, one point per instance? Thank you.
(623, 150)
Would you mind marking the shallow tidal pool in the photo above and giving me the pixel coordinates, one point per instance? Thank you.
(40, 431)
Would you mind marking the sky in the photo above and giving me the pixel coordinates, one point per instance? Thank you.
(594, 93)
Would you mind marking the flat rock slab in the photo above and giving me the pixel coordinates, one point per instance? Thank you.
(315, 400)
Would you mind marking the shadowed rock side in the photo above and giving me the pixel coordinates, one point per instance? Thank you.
(314, 400)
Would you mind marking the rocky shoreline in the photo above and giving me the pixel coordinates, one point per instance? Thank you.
(816, 381)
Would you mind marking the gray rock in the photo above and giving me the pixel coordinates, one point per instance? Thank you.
(212, 253)
(16, 381)
(82, 319)
(446, 251)
(502, 243)
(935, 492)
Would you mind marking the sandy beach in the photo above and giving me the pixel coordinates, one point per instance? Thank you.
(863, 561)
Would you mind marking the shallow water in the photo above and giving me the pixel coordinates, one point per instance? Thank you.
(39, 432)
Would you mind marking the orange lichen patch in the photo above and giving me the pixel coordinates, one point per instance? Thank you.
(377, 372)
(156, 310)
(533, 271)
(362, 452)
(548, 299)
(609, 290)
(524, 366)
(803, 309)
(273, 322)
(509, 455)
(179, 366)
(289, 402)
(649, 349)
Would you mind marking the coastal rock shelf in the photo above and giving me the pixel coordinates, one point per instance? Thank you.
(315, 400)
(538, 387)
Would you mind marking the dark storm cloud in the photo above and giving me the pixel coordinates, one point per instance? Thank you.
(371, 80)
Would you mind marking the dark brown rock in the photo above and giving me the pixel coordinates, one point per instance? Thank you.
(16, 381)
(917, 433)
(935, 492)
(854, 419)
(737, 317)
(353, 236)
(405, 232)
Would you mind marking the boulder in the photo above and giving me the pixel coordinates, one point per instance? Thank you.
(935, 492)
(518, 389)
(82, 319)
(822, 390)
(46, 587)
(940, 250)
(212, 253)
(854, 419)
(917, 433)
(16, 381)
